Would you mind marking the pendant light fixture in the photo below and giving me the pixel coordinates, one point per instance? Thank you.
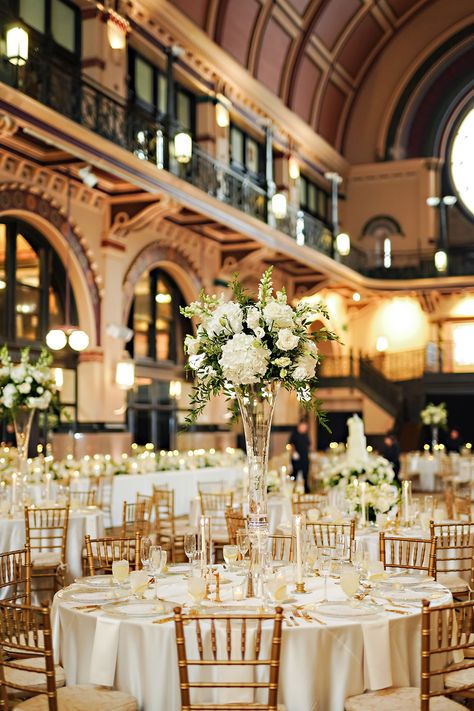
(61, 336)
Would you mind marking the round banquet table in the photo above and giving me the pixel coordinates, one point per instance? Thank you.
(322, 663)
(90, 521)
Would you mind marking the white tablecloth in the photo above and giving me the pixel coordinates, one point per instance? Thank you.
(321, 665)
(12, 535)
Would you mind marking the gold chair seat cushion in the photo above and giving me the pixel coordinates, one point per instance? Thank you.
(46, 559)
(463, 677)
(397, 699)
(453, 582)
(34, 681)
(83, 698)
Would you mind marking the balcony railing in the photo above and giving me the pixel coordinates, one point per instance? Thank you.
(64, 90)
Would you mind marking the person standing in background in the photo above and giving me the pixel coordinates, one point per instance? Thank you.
(300, 445)
(391, 452)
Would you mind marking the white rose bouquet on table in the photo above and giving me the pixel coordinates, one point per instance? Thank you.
(435, 415)
(246, 342)
(375, 471)
(26, 384)
(379, 498)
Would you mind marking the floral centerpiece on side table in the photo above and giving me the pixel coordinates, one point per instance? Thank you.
(248, 349)
(25, 387)
(435, 416)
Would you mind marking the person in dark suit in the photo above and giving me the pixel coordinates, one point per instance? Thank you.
(454, 442)
(300, 445)
(391, 451)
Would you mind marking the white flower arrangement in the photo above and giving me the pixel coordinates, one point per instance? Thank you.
(26, 384)
(242, 342)
(273, 481)
(381, 498)
(376, 470)
(434, 415)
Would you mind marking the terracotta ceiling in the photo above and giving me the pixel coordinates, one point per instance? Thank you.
(314, 54)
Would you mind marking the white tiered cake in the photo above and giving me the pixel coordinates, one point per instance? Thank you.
(356, 448)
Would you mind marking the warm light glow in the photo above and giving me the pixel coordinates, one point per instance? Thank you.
(163, 298)
(381, 344)
(463, 344)
(17, 46)
(333, 445)
(56, 339)
(58, 377)
(343, 244)
(387, 253)
(356, 296)
(279, 206)
(370, 448)
(223, 106)
(293, 168)
(183, 147)
(426, 447)
(465, 307)
(3, 284)
(441, 260)
(125, 374)
(468, 445)
(78, 340)
(175, 389)
(117, 30)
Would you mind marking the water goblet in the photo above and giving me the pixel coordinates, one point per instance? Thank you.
(197, 588)
(120, 569)
(230, 555)
(350, 579)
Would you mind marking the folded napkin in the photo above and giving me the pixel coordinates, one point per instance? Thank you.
(377, 658)
(104, 651)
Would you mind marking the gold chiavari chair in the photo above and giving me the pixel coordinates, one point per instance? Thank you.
(408, 553)
(325, 535)
(27, 630)
(235, 521)
(454, 555)
(214, 507)
(169, 529)
(220, 649)
(46, 535)
(105, 490)
(82, 499)
(445, 630)
(102, 552)
(135, 518)
(281, 547)
(301, 503)
(462, 507)
(213, 487)
(15, 575)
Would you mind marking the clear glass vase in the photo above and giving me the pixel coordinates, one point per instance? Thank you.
(22, 422)
(434, 437)
(257, 404)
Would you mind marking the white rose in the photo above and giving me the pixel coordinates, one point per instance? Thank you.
(195, 361)
(4, 371)
(305, 368)
(287, 340)
(253, 318)
(259, 332)
(282, 362)
(18, 373)
(24, 388)
(278, 315)
(244, 359)
(191, 345)
(227, 318)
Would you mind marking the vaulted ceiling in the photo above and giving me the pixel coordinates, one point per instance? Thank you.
(313, 54)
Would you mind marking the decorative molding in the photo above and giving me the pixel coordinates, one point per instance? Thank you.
(8, 125)
(147, 218)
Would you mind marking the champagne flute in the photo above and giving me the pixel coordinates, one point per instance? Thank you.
(230, 555)
(145, 552)
(189, 547)
(155, 562)
(243, 542)
(325, 561)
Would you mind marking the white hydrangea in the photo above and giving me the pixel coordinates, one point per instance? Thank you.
(41, 402)
(18, 373)
(286, 340)
(9, 395)
(227, 318)
(244, 359)
(24, 388)
(253, 318)
(278, 315)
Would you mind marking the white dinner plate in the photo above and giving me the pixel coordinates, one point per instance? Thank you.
(97, 581)
(99, 597)
(139, 608)
(408, 580)
(342, 608)
(414, 595)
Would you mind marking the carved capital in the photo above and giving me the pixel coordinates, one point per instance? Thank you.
(8, 125)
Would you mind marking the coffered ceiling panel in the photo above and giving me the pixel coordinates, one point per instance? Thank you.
(274, 48)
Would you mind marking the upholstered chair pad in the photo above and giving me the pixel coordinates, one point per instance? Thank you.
(397, 699)
(30, 679)
(83, 698)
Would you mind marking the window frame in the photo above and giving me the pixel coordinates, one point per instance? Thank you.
(46, 38)
(319, 191)
(243, 168)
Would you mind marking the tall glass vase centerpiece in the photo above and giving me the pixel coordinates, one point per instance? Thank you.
(247, 348)
(435, 416)
(25, 387)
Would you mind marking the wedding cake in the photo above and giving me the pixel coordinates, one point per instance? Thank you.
(356, 448)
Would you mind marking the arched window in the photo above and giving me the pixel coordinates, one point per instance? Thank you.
(159, 329)
(461, 160)
(32, 285)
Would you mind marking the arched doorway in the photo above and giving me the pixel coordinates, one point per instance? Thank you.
(157, 347)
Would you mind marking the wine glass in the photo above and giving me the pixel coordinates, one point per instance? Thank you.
(350, 578)
(145, 552)
(189, 547)
(120, 570)
(312, 555)
(243, 542)
(230, 555)
(156, 563)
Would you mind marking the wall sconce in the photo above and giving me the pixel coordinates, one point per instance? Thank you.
(279, 206)
(183, 147)
(175, 389)
(381, 344)
(58, 338)
(58, 378)
(125, 373)
(117, 30)
(223, 106)
(17, 45)
(343, 244)
(441, 260)
(293, 168)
